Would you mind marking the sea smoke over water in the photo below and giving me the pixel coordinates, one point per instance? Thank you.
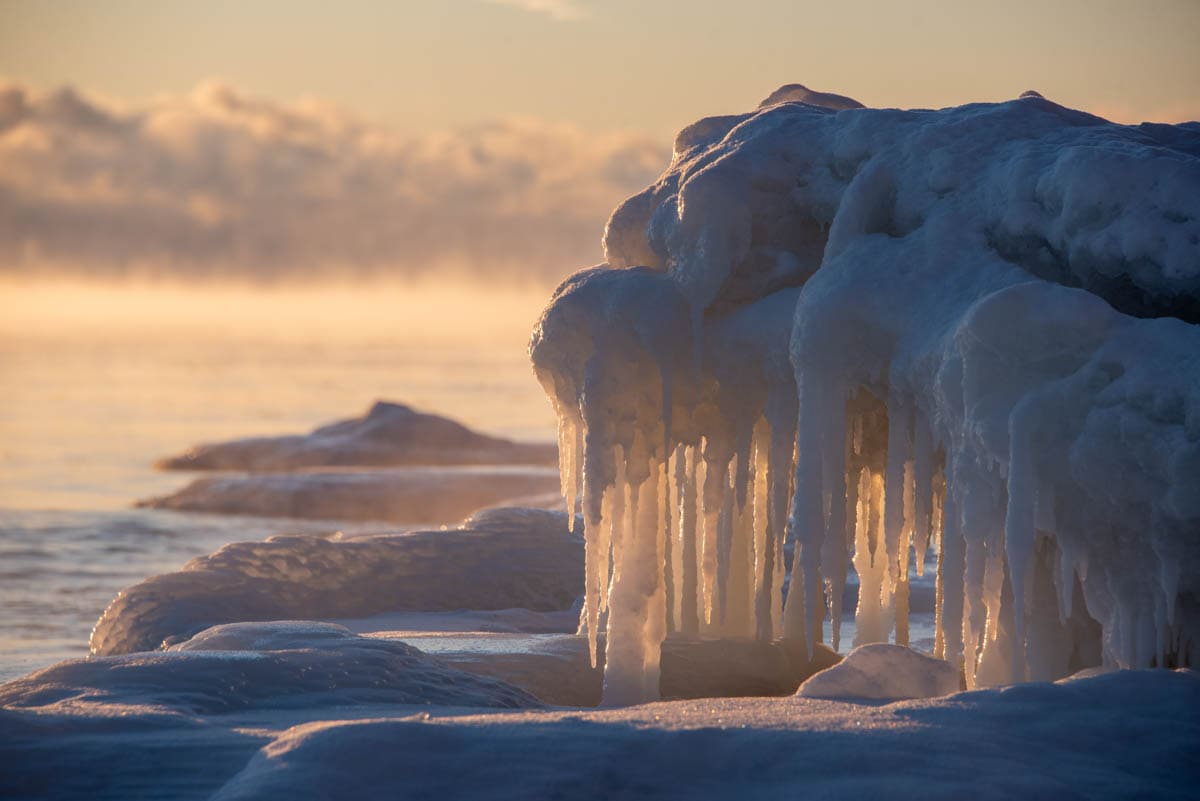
(217, 183)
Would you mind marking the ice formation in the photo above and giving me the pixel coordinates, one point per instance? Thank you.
(883, 672)
(497, 559)
(879, 333)
(388, 434)
(254, 666)
(411, 495)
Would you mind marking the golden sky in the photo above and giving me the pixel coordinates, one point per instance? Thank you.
(649, 66)
(278, 140)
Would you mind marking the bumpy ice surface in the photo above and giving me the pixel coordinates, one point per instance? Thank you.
(972, 330)
(498, 559)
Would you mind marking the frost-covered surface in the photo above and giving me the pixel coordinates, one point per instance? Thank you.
(248, 666)
(397, 495)
(1121, 736)
(972, 330)
(195, 730)
(498, 559)
(883, 671)
(388, 434)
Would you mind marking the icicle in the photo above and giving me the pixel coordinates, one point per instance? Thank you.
(838, 572)
(637, 611)
(597, 535)
(1021, 515)
(808, 519)
(950, 573)
(724, 550)
(764, 536)
(834, 558)
(922, 488)
(906, 536)
(868, 618)
(666, 552)
(655, 630)
(716, 488)
(739, 586)
(690, 598)
(897, 457)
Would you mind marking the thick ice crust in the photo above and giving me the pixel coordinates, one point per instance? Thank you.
(879, 332)
(499, 559)
(1131, 734)
(243, 666)
(413, 495)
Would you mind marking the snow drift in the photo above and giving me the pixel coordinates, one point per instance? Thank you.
(397, 495)
(878, 332)
(882, 671)
(1116, 736)
(498, 559)
(388, 434)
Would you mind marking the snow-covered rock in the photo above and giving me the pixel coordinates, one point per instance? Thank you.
(388, 434)
(425, 495)
(246, 666)
(1127, 735)
(971, 330)
(498, 559)
(884, 672)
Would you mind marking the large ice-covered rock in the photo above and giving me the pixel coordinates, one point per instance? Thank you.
(388, 434)
(244, 666)
(884, 672)
(973, 330)
(498, 559)
(396, 495)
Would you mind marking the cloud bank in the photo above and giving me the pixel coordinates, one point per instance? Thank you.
(220, 184)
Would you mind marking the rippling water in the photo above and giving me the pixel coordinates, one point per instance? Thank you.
(85, 410)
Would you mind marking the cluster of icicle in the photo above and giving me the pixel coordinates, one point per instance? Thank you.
(850, 331)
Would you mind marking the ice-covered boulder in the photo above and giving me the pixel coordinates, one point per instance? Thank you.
(972, 330)
(397, 495)
(498, 559)
(388, 434)
(242, 666)
(884, 672)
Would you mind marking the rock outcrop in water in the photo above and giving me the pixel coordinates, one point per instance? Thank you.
(390, 434)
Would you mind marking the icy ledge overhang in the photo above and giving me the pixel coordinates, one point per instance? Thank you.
(876, 332)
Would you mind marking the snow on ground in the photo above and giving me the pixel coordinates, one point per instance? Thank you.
(498, 559)
(426, 495)
(1126, 734)
(878, 332)
(388, 434)
(883, 671)
(1123, 735)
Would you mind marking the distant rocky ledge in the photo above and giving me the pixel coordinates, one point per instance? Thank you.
(390, 434)
(407, 495)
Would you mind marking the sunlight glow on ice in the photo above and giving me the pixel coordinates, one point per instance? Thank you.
(969, 330)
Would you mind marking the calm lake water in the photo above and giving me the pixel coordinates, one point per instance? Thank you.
(89, 401)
